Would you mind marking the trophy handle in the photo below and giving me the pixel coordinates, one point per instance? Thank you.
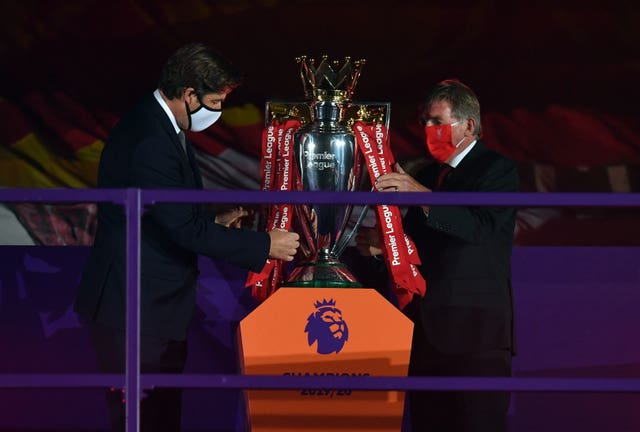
(345, 240)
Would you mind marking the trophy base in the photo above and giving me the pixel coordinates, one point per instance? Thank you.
(322, 274)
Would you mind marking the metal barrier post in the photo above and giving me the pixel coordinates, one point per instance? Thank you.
(132, 378)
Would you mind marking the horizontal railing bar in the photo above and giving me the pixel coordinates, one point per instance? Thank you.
(396, 383)
(152, 196)
(61, 380)
(517, 199)
(369, 383)
(63, 195)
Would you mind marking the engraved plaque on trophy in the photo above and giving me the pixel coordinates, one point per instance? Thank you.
(327, 158)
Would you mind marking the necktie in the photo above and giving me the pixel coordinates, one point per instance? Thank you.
(183, 140)
(442, 175)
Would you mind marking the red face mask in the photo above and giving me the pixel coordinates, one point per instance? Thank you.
(439, 141)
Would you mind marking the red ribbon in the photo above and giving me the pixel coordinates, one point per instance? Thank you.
(399, 251)
(268, 166)
(277, 169)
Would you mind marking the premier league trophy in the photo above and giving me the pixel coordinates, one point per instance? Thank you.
(327, 143)
(326, 158)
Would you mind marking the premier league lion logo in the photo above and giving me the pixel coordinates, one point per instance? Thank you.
(326, 326)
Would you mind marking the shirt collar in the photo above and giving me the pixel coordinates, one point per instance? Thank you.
(166, 109)
(456, 160)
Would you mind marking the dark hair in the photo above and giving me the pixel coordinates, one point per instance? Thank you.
(464, 102)
(199, 66)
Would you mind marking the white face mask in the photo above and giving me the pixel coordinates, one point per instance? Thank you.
(202, 118)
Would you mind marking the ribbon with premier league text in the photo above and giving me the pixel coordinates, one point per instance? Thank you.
(277, 173)
(399, 251)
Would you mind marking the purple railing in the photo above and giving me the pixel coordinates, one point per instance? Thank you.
(133, 201)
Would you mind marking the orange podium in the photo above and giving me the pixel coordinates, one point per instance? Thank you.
(325, 332)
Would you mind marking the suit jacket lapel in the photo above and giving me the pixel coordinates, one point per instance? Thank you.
(188, 157)
(461, 172)
(168, 127)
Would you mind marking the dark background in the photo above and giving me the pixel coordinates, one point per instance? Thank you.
(525, 54)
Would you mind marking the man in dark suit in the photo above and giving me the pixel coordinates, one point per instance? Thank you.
(148, 149)
(464, 324)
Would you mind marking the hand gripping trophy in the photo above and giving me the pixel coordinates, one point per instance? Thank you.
(323, 144)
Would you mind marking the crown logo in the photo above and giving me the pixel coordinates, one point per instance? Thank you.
(329, 80)
(324, 303)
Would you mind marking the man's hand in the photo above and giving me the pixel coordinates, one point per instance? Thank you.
(232, 218)
(399, 181)
(368, 242)
(284, 244)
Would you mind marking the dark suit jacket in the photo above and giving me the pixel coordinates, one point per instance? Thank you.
(466, 257)
(143, 151)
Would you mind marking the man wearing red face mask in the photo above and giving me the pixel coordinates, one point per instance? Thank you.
(464, 324)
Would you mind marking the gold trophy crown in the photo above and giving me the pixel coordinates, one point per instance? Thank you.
(329, 81)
